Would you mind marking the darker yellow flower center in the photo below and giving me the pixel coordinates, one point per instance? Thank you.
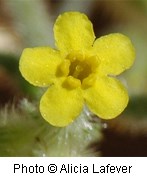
(78, 69)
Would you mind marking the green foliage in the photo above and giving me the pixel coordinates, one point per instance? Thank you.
(11, 64)
(137, 107)
(23, 132)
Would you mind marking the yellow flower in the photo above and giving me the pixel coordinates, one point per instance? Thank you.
(80, 71)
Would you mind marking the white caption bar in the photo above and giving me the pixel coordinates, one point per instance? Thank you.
(34, 170)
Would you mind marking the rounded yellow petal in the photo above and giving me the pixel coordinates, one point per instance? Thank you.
(73, 31)
(107, 98)
(115, 52)
(39, 65)
(60, 106)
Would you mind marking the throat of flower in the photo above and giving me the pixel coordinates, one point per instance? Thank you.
(78, 70)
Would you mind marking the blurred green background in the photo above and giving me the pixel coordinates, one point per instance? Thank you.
(23, 132)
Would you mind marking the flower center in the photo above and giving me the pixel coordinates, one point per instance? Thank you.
(78, 68)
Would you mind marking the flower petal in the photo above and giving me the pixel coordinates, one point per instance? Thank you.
(115, 52)
(73, 31)
(38, 65)
(107, 98)
(60, 106)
